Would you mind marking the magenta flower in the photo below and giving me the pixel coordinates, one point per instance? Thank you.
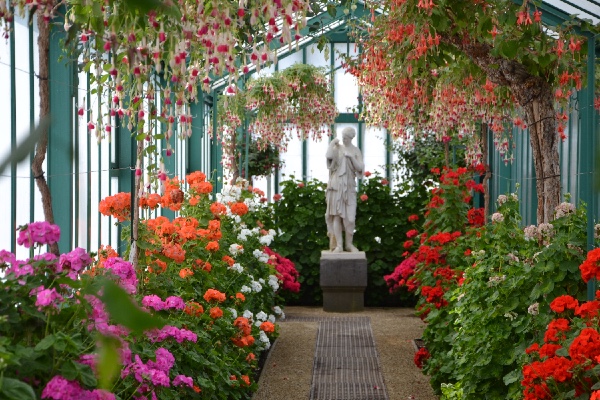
(183, 380)
(174, 302)
(73, 262)
(124, 270)
(46, 297)
(38, 233)
(153, 301)
(60, 388)
(164, 360)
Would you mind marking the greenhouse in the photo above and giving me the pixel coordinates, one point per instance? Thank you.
(392, 199)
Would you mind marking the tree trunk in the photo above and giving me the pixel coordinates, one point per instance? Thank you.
(544, 143)
(42, 145)
(534, 94)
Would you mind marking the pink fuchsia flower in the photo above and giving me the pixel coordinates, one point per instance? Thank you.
(73, 262)
(153, 301)
(277, 197)
(364, 197)
(38, 233)
(175, 302)
(367, 174)
(183, 380)
(384, 182)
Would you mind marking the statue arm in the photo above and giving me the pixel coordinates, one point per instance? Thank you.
(357, 162)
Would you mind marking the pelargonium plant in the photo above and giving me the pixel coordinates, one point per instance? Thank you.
(567, 363)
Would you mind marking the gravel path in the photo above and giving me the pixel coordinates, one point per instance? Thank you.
(287, 373)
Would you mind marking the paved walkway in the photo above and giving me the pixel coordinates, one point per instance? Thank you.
(351, 356)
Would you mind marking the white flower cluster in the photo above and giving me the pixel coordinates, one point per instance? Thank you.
(497, 217)
(271, 318)
(233, 312)
(260, 255)
(245, 289)
(237, 267)
(277, 310)
(273, 282)
(248, 314)
(564, 209)
(264, 339)
(236, 249)
(502, 199)
(511, 315)
(256, 286)
(494, 280)
(268, 238)
(245, 232)
(530, 232)
(546, 230)
(597, 231)
(229, 194)
(534, 309)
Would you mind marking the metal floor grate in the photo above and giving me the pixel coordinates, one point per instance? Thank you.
(346, 365)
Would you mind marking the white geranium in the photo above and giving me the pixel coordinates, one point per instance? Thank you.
(502, 199)
(245, 289)
(531, 232)
(256, 287)
(244, 233)
(260, 255)
(262, 336)
(261, 316)
(271, 318)
(266, 240)
(497, 217)
(248, 314)
(233, 312)
(273, 282)
(237, 267)
(277, 310)
(236, 249)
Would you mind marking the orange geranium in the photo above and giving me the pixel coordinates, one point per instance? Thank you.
(240, 296)
(250, 357)
(212, 246)
(174, 251)
(185, 272)
(217, 208)
(267, 327)
(157, 266)
(243, 324)
(202, 187)
(246, 379)
(150, 201)
(117, 206)
(193, 308)
(230, 261)
(239, 208)
(215, 313)
(213, 294)
(195, 177)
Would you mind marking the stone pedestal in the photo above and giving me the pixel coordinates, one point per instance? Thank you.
(343, 281)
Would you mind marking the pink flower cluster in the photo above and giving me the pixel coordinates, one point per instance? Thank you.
(286, 270)
(46, 297)
(125, 271)
(99, 319)
(38, 233)
(155, 302)
(74, 262)
(403, 271)
(158, 335)
(60, 388)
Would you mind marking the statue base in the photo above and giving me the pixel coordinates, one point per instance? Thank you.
(343, 281)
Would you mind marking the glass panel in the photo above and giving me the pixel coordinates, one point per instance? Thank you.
(374, 150)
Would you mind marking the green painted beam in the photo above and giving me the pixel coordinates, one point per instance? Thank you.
(13, 143)
(60, 138)
(194, 147)
(346, 118)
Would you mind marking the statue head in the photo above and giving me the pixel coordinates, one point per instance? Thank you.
(348, 134)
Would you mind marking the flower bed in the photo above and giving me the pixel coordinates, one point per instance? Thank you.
(189, 322)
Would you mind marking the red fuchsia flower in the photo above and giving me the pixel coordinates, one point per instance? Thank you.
(384, 182)
(364, 197)
(412, 233)
(277, 197)
(367, 174)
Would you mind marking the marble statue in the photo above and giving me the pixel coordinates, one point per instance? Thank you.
(345, 164)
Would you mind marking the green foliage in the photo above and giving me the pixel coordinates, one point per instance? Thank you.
(478, 340)
(300, 216)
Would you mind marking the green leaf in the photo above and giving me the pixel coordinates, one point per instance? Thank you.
(45, 343)
(547, 286)
(123, 311)
(511, 377)
(331, 10)
(14, 389)
(510, 48)
(146, 5)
